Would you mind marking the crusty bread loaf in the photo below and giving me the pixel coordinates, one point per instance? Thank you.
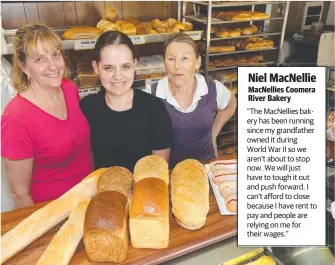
(82, 32)
(105, 228)
(190, 194)
(106, 25)
(149, 214)
(151, 166)
(65, 242)
(110, 13)
(128, 29)
(115, 179)
(47, 217)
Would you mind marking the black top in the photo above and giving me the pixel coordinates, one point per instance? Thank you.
(122, 138)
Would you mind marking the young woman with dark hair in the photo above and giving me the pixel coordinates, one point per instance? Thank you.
(126, 124)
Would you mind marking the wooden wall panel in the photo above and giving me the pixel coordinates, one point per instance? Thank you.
(134, 9)
(73, 13)
(85, 13)
(167, 9)
(70, 14)
(13, 15)
(98, 11)
(31, 11)
(154, 10)
(117, 5)
(51, 14)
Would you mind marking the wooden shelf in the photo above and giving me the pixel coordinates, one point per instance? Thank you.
(237, 3)
(247, 36)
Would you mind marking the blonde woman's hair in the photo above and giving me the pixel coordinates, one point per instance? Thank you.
(184, 38)
(24, 44)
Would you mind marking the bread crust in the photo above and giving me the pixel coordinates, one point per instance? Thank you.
(82, 32)
(190, 193)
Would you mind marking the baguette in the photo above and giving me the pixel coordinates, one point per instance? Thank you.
(47, 217)
(83, 32)
(65, 242)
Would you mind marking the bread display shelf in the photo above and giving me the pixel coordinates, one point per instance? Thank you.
(76, 44)
(234, 66)
(216, 21)
(182, 241)
(236, 3)
(248, 36)
(244, 51)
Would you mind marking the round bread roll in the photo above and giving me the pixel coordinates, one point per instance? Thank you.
(173, 29)
(156, 23)
(222, 34)
(231, 204)
(141, 29)
(128, 29)
(188, 26)
(234, 33)
(105, 25)
(190, 194)
(180, 25)
(110, 14)
(151, 166)
(171, 22)
(248, 30)
(120, 22)
(115, 179)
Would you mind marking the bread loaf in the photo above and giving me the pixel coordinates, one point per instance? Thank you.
(65, 242)
(222, 34)
(190, 194)
(149, 209)
(105, 228)
(47, 217)
(105, 25)
(110, 13)
(128, 29)
(83, 32)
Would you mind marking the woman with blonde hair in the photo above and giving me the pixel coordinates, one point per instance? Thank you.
(45, 137)
(198, 107)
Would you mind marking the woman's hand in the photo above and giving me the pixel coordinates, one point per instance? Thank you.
(19, 176)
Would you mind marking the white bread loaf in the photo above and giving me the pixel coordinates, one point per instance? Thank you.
(65, 242)
(106, 227)
(149, 210)
(190, 194)
(47, 217)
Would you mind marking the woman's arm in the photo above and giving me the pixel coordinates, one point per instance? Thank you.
(164, 153)
(221, 118)
(19, 176)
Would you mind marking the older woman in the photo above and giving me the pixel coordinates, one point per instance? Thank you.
(126, 124)
(198, 107)
(45, 137)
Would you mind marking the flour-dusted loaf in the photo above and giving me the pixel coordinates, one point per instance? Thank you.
(106, 227)
(149, 210)
(190, 194)
(47, 217)
(65, 242)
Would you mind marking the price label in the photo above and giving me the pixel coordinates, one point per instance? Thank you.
(196, 35)
(87, 91)
(139, 39)
(84, 44)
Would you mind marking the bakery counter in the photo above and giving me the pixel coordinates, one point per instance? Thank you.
(217, 229)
